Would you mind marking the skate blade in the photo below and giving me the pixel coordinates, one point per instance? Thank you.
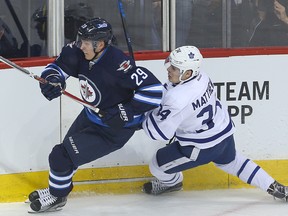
(27, 201)
(30, 211)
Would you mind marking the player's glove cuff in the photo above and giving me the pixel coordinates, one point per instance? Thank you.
(118, 116)
(54, 86)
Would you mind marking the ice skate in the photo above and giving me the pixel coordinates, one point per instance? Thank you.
(40, 193)
(155, 187)
(48, 203)
(278, 191)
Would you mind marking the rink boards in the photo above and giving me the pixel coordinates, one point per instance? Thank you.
(251, 86)
(129, 179)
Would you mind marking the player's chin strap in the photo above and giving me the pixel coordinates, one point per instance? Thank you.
(184, 81)
(95, 59)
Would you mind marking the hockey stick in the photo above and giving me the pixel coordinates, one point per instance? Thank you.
(41, 80)
(127, 37)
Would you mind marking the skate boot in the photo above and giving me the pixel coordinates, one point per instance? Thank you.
(155, 187)
(48, 203)
(278, 191)
(37, 194)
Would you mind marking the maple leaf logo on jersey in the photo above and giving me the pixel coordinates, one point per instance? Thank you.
(85, 91)
(125, 66)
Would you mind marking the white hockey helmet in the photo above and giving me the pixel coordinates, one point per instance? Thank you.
(185, 58)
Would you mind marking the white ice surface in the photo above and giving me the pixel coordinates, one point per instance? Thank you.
(244, 202)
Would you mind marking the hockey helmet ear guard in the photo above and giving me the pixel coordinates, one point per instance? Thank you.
(185, 58)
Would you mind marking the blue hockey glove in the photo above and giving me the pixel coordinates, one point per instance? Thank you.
(49, 90)
(118, 116)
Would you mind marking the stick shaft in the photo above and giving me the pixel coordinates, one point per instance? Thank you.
(127, 37)
(41, 80)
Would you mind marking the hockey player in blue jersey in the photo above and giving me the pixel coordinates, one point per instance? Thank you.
(202, 127)
(109, 80)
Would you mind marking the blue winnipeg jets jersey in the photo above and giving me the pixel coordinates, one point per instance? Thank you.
(191, 112)
(110, 80)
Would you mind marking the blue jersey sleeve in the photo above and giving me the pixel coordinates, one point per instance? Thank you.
(69, 59)
(147, 89)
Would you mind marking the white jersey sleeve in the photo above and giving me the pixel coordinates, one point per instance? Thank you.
(191, 112)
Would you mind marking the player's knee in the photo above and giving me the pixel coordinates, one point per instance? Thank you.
(233, 166)
(153, 166)
(59, 159)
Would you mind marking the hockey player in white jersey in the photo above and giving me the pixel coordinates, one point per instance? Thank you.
(202, 127)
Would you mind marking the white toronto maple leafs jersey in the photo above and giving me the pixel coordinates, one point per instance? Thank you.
(191, 112)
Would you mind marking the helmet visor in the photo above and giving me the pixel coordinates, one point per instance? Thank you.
(83, 40)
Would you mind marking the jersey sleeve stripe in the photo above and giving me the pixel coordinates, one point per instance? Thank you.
(146, 99)
(57, 69)
(150, 133)
(152, 88)
(157, 129)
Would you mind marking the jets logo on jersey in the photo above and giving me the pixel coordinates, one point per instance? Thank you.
(89, 90)
(125, 66)
(86, 90)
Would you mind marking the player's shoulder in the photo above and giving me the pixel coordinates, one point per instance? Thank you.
(177, 96)
(116, 54)
(70, 55)
(183, 94)
(70, 49)
(115, 50)
(140, 70)
(198, 84)
(117, 58)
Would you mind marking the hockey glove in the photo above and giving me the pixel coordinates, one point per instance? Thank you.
(118, 116)
(53, 88)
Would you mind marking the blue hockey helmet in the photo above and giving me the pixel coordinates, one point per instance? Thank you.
(96, 29)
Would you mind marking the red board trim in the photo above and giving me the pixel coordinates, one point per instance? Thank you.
(154, 55)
